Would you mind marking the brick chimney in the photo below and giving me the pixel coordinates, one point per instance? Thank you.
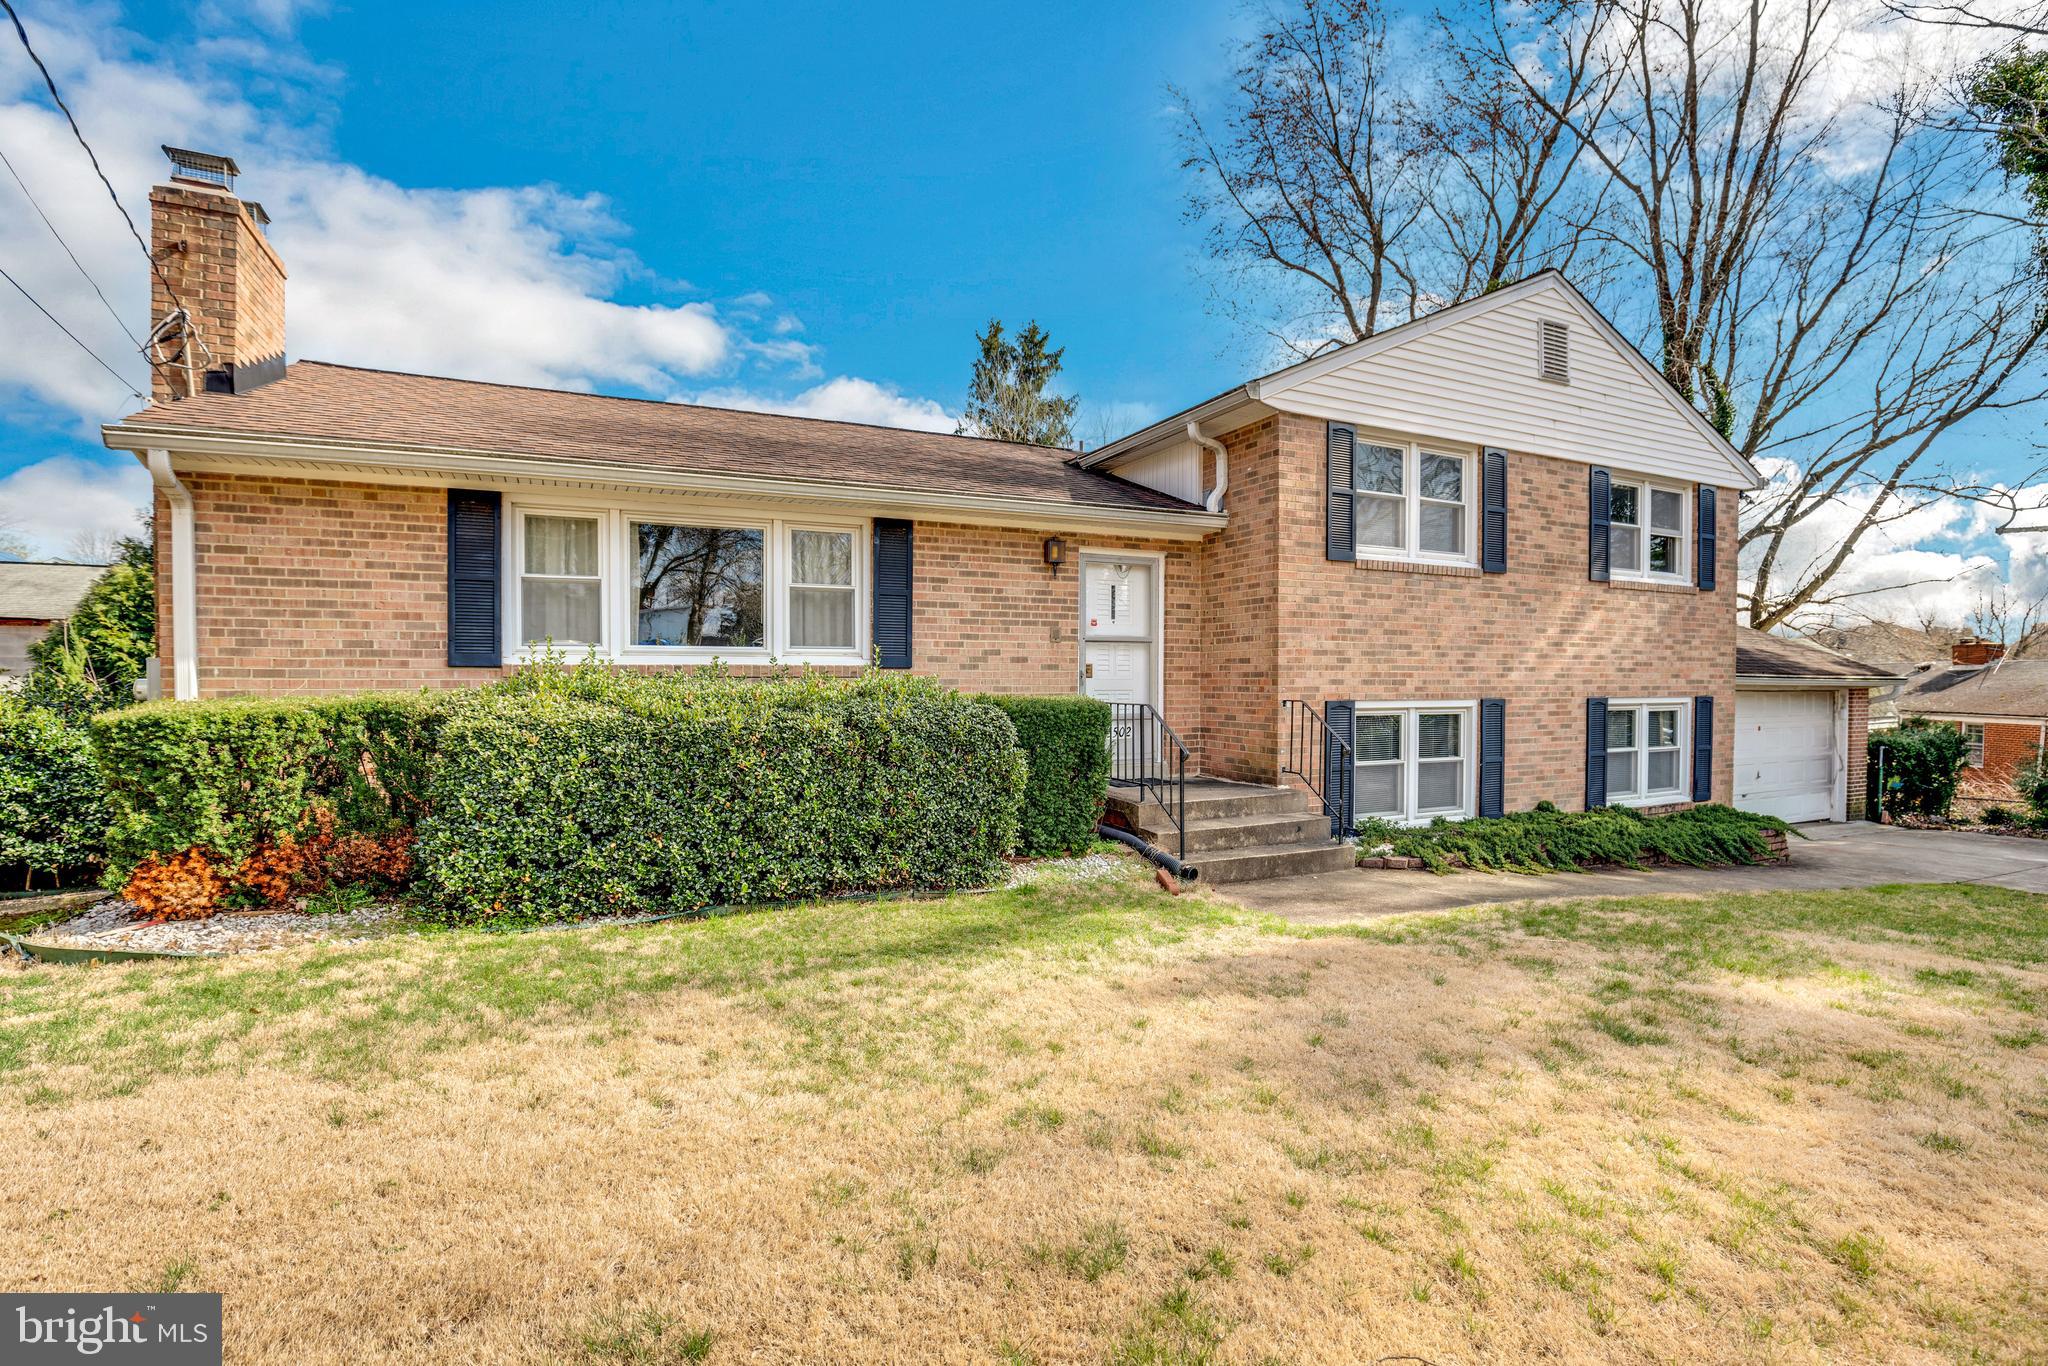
(1972, 651)
(211, 248)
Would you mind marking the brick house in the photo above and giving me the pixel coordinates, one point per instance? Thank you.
(1999, 704)
(1470, 564)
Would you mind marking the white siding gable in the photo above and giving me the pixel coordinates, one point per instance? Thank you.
(1474, 378)
(1175, 470)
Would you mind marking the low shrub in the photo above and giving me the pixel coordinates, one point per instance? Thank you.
(1996, 815)
(53, 806)
(1923, 761)
(584, 790)
(275, 797)
(1066, 752)
(1549, 840)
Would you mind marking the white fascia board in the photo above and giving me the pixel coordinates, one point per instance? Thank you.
(1175, 428)
(243, 453)
(1780, 683)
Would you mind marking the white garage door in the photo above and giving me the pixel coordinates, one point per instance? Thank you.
(1785, 755)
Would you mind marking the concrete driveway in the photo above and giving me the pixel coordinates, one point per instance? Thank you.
(1853, 855)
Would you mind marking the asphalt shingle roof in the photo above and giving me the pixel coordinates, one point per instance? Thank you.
(33, 591)
(1759, 654)
(2012, 688)
(340, 403)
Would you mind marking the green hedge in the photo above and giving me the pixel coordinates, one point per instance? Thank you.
(1066, 748)
(227, 775)
(1549, 840)
(1922, 765)
(587, 790)
(53, 807)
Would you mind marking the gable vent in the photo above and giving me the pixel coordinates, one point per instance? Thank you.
(1556, 358)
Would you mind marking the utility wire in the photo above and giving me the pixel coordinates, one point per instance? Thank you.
(78, 133)
(67, 331)
(111, 310)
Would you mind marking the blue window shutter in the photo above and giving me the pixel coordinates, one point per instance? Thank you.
(475, 580)
(1337, 773)
(1339, 530)
(1493, 512)
(1709, 534)
(1599, 508)
(1596, 753)
(1493, 737)
(890, 610)
(1703, 749)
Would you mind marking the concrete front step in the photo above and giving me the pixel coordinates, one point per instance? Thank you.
(1212, 800)
(1235, 832)
(1262, 861)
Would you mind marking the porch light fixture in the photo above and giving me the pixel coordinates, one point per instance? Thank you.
(1055, 553)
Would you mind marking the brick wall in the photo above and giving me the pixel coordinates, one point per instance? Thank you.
(1542, 636)
(224, 271)
(1857, 758)
(2006, 747)
(1241, 612)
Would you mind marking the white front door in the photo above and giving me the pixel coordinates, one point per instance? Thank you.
(1118, 610)
(1785, 755)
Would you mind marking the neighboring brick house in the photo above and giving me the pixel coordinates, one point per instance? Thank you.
(1487, 556)
(1802, 722)
(1999, 704)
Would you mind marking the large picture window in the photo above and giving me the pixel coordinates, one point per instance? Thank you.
(1413, 763)
(1411, 502)
(698, 586)
(1646, 529)
(1646, 752)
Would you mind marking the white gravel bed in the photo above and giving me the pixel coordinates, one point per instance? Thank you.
(111, 925)
(1062, 872)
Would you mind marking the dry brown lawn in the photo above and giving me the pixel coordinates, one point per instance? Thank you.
(1091, 1124)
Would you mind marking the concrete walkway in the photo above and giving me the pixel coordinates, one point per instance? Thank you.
(1853, 855)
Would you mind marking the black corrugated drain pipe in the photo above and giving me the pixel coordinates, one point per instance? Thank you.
(1186, 872)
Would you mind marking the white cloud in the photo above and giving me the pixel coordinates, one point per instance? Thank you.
(844, 399)
(53, 500)
(523, 284)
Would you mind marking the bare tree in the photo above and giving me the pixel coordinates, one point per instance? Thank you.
(2015, 620)
(91, 546)
(1354, 180)
(12, 541)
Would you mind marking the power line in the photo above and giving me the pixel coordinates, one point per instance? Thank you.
(78, 133)
(112, 312)
(67, 331)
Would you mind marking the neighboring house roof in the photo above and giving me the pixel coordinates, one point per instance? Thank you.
(337, 405)
(1760, 656)
(41, 591)
(1312, 386)
(2012, 689)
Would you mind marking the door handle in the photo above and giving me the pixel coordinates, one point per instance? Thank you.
(1087, 671)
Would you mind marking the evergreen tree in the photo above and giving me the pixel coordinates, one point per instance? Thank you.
(111, 633)
(1007, 398)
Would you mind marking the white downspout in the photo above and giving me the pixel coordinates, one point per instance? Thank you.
(1214, 501)
(184, 579)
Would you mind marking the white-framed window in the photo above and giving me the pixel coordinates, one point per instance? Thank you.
(1412, 501)
(1413, 763)
(648, 582)
(1646, 752)
(1646, 529)
(1973, 738)
(561, 577)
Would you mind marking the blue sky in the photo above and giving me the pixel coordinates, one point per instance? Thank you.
(805, 207)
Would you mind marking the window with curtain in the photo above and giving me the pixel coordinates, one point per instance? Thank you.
(1412, 763)
(821, 594)
(561, 585)
(698, 586)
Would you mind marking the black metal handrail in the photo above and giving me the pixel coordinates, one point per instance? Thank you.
(1145, 753)
(1309, 743)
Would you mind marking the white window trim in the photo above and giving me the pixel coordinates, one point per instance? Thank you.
(1412, 451)
(1664, 796)
(1976, 747)
(518, 576)
(618, 561)
(1644, 485)
(1468, 734)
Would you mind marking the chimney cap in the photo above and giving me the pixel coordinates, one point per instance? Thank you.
(256, 212)
(202, 168)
